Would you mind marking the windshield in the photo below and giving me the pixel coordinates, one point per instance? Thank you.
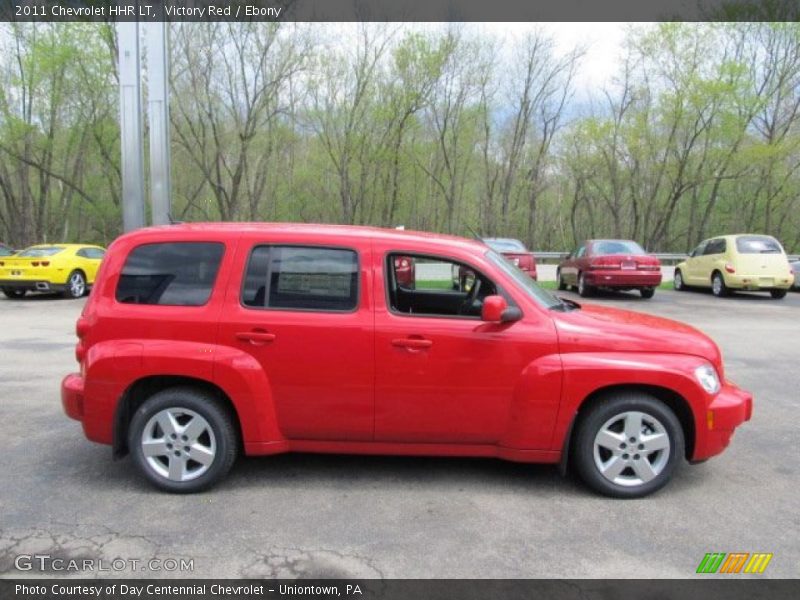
(758, 244)
(40, 251)
(505, 245)
(616, 247)
(528, 285)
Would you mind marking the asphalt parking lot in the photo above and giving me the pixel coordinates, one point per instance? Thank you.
(365, 517)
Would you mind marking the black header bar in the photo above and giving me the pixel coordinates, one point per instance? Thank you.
(400, 10)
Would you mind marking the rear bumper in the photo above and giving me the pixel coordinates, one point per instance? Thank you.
(39, 285)
(72, 396)
(623, 279)
(750, 282)
(730, 408)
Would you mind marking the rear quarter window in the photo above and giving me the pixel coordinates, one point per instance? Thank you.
(175, 273)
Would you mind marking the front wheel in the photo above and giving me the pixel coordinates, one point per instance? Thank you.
(76, 285)
(777, 294)
(628, 445)
(561, 285)
(13, 293)
(182, 440)
(647, 292)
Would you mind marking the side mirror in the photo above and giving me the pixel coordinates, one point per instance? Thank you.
(496, 310)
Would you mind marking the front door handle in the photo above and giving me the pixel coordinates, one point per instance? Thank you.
(412, 343)
(257, 338)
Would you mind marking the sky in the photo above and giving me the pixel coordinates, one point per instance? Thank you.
(603, 43)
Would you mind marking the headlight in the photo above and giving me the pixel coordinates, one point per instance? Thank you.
(707, 376)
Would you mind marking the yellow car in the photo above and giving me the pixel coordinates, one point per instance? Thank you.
(66, 268)
(748, 262)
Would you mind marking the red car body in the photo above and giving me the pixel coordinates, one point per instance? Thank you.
(615, 264)
(370, 380)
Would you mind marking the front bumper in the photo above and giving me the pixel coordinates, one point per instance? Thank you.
(731, 407)
(622, 279)
(72, 396)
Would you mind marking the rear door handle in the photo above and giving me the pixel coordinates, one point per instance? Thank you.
(257, 338)
(412, 343)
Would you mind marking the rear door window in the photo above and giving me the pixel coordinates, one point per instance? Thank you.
(302, 278)
(175, 273)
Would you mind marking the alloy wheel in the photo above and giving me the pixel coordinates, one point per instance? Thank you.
(77, 285)
(178, 444)
(631, 449)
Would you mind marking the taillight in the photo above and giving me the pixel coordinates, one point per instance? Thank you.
(35, 263)
(81, 327)
(729, 268)
(2, 263)
(80, 352)
(605, 263)
(45, 263)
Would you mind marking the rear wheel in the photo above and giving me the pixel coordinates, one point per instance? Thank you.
(718, 287)
(13, 293)
(182, 440)
(628, 445)
(777, 294)
(647, 292)
(584, 289)
(76, 285)
(561, 285)
(677, 281)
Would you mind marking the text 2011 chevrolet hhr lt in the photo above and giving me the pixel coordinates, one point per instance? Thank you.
(202, 341)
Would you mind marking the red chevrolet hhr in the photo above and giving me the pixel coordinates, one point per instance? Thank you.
(202, 341)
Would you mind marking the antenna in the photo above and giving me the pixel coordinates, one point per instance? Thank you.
(474, 234)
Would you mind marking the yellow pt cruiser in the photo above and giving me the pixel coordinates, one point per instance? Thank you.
(747, 262)
(66, 268)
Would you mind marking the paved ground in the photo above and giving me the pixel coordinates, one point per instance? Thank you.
(306, 515)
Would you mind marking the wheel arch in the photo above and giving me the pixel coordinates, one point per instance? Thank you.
(144, 388)
(672, 399)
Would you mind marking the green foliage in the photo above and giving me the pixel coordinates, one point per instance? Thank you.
(436, 129)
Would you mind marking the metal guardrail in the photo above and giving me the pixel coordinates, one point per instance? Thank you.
(668, 257)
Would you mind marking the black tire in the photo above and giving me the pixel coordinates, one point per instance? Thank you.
(14, 293)
(606, 410)
(75, 291)
(778, 294)
(561, 285)
(584, 290)
(677, 281)
(225, 438)
(718, 287)
(647, 293)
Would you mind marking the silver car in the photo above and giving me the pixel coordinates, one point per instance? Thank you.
(795, 264)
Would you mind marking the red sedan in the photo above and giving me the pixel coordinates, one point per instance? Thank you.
(516, 252)
(614, 264)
